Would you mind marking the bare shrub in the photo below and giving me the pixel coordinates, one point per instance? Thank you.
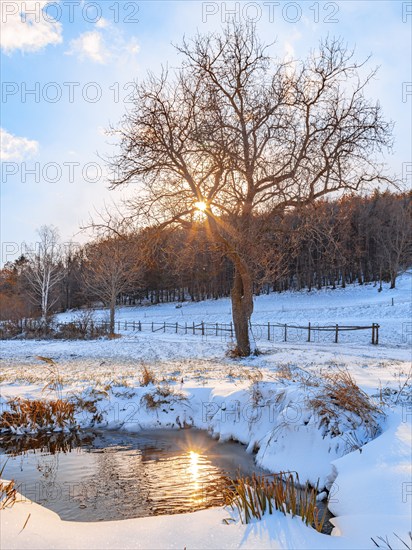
(83, 327)
(10, 329)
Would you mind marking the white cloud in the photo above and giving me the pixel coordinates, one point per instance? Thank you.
(90, 45)
(102, 23)
(28, 32)
(15, 148)
(103, 46)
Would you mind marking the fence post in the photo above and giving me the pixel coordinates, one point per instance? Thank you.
(164, 326)
(186, 328)
(176, 327)
(269, 331)
(193, 327)
(134, 325)
(140, 326)
(375, 334)
(203, 328)
(217, 328)
(118, 326)
(286, 332)
(336, 334)
(309, 332)
(152, 326)
(231, 329)
(125, 325)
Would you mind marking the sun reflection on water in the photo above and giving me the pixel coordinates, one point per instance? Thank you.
(194, 465)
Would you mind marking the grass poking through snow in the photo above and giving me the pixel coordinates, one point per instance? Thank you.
(254, 497)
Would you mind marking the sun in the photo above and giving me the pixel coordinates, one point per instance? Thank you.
(201, 205)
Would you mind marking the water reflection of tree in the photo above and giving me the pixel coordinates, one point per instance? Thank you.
(119, 487)
(45, 449)
(44, 443)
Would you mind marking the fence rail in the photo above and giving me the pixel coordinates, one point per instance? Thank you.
(261, 331)
(272, 332)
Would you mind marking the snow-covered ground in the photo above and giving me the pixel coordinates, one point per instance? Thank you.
(264, 402)
(355, 305)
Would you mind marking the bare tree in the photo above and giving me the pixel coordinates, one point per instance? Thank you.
(44, 270)
(111, 267)
(235, 134)
(393, 234)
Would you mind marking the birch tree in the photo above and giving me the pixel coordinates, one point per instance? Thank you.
(44, 270)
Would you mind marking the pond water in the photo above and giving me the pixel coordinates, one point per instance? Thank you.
(102, 476)
(116, 475)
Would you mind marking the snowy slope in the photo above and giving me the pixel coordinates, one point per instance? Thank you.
(369, 486)
(354, 305)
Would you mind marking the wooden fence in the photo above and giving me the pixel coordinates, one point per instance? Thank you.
(272, 332)
(261, 331)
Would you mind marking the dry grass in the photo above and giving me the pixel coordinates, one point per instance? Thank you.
(147, 376)
(340, 393)
(54, 379)
(36, 415)
(163, 395)
(8, 492)
(284, 371)
(253, 497)
(384, 542)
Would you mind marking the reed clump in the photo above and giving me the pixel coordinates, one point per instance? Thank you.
(8, 492)
(33, 415)
(339, 394)
(255, 496)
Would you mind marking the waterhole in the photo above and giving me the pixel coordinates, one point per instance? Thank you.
(103, 476)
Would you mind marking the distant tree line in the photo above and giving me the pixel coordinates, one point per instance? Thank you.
(326, 244)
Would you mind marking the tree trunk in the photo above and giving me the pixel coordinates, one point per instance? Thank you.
(112, 310)
(242, 308)
(393, 279)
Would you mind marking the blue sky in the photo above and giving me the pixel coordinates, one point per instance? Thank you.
(69, 51)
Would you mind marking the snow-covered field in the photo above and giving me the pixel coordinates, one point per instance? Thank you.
(357, 305)
(265, 402)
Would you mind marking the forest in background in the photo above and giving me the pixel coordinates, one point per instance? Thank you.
(326, 244)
